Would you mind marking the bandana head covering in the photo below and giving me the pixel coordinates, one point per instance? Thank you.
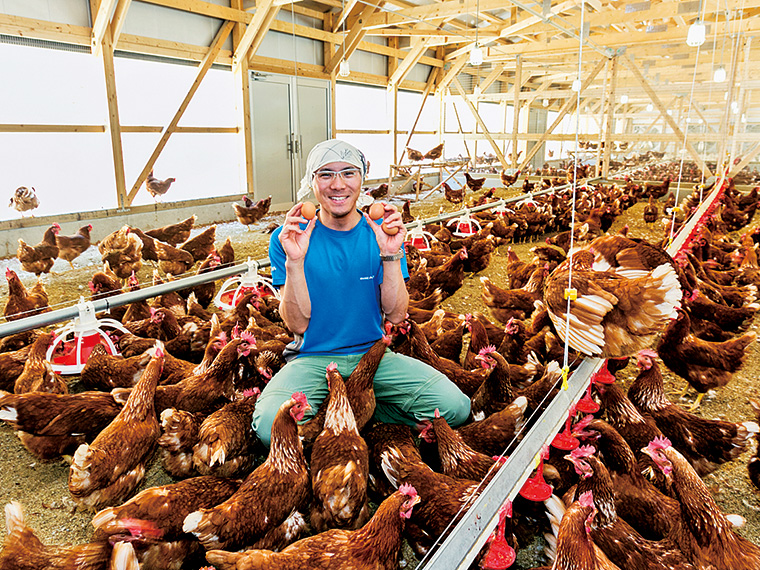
(328, 151)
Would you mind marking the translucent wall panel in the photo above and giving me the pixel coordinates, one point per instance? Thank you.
(74, 171)
(362, 107)
(377, 148)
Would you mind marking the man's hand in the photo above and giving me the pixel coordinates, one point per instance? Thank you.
(294, 240)
(389, 244)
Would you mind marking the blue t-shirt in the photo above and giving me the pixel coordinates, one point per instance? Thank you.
(343, 274)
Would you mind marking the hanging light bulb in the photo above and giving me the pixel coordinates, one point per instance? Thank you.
(344, 70)
(744, 118)
(576, 86)
(624, 99)
(720, 75)
(696, 34)
(734, 107)
(476, 55)
(650, 108)
(546, 103)
(476, 91)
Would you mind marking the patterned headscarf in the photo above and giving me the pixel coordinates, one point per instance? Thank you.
(328, 151)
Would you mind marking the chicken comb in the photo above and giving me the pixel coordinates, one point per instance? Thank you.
(579, 427)
(236, 331)
(248, 337)
(659, 443)
(332, 367)
(437, 413)
(158, 350)
(142, 528)
(487, 350)
(249, 392)
(587, 499)
(648, 353)
(408, 490)
(300, 397)
(9, 272)
(583, 451)
(222, 337)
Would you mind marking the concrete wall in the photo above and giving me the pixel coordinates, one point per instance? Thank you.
(208, 211)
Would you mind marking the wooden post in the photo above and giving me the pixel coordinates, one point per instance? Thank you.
(114, 127)
(242, 81)
(609, 115)
(516, 109)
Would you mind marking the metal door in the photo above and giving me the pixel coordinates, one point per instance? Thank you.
(289, 116)
(272, 140)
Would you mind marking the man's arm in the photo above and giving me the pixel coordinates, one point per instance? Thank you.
(295, 305)
(394, 298)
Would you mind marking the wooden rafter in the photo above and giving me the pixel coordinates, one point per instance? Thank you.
(117, 22)
(350, 5)
(497, 151)
(352, 40)
(213, 51)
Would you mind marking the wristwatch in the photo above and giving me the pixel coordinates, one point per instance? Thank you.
(394, 257)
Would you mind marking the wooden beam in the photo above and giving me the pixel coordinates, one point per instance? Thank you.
(344, 14)
(205, 9)
(568, 106)
(114, 127)
(418, 48)
(213, 51)
(668, 119)
(428, 88)
(516, 109)
(117, 22)
(352, 40)
(491, 77)
(456, 67)
(100, 25)
(243, 99)
(257, 24)
(476, 116)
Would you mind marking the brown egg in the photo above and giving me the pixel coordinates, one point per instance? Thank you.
(376, 210)
(308, 210)
(390, 231)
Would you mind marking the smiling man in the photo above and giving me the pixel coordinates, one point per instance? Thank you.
(340, 276)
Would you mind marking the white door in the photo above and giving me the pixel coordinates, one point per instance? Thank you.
(289, 116)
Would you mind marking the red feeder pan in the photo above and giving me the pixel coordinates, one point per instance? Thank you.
(418, 237)
(565, 440)
(587, 405)
(464, 226)
(72, 345)
(603, 376)
(235, 288)
(535, 488)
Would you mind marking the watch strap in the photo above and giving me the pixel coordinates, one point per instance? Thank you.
(394, 257)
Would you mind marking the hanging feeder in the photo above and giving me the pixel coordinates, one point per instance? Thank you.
(464, 225)
(502, 210)
(565, 439)
(418, 237)
(587, 405)
(73, 343)
(535, 488)
(235, 288)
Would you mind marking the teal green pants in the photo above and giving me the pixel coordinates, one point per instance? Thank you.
(406, 390)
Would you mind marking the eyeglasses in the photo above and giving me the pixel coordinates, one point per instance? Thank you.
(347, 174)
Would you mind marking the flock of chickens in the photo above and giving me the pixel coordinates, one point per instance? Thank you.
(626, 488)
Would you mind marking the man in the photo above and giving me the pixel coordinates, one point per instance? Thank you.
(340, 275)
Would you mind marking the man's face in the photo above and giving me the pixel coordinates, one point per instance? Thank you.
(336, 187)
